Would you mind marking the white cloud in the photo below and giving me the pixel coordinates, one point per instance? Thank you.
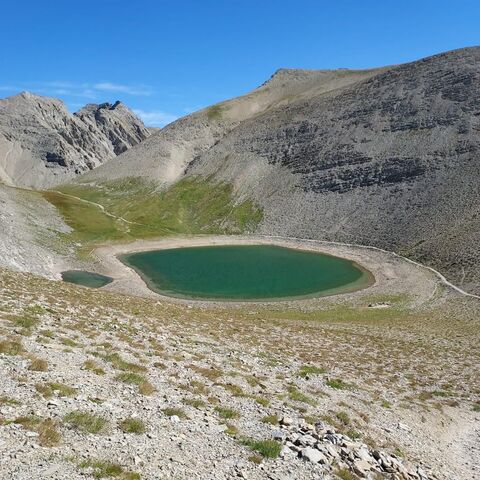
(128, 89)
(155, 118)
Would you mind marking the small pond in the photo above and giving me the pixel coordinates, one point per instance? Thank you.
(87, 279)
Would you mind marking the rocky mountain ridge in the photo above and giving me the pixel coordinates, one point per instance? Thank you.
(386, 157)
(43, 144)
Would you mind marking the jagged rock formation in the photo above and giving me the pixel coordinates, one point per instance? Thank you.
(42, 144)
(386, 157)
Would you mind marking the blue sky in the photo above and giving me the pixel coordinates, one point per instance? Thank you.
(167, 58)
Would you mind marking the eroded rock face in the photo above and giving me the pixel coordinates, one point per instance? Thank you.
(42, 144)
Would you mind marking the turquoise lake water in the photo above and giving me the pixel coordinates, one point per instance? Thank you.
(245, 272)
(87, 279)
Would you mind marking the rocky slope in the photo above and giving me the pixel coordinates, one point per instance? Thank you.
(96, 382)
(30, 231)
(386, 157)
(42, 144)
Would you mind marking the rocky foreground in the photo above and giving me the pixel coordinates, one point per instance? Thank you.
(97, 385)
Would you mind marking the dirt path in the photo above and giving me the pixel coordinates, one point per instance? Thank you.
(98, 205)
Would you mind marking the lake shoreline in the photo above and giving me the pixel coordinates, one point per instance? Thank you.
(392, 275)
(365, 280)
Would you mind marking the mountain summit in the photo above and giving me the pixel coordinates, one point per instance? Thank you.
(43, 144)
(386, 157)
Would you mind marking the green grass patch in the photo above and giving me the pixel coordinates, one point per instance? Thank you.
(266, 448)
(133, 425)
(271, 419)
(298, 396)
(191, 206)
(48, 389)
(309, 370)
(107, 469)
(11, 347)
(30, 422)
(5, 400)
(215, 112)
(338, 384)
(86, 422)
(120, 364)
(227, 413)
(171, 411)
(94, 367)
(131, 378)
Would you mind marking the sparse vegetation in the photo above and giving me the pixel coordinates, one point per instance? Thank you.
(171, 411)
(271, 419)
(227, 413)
(345, 474)
(295, 394)
(105, 468)
(120, 364)
(38, 365)
(338, 384)
(86, 422)
(94, 367)
(48, 389)
(11, 347)
(48, 434)
(133, 425)
(132, 378)
(266, 448)
(310, 370)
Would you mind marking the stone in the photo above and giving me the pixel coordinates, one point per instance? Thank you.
(361, 468)
(287, 421)
(313, 455)
(278, 435)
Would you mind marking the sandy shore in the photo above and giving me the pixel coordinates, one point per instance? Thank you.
(393, 276)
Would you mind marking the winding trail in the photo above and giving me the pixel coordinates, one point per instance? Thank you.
(100, 206)
(370, 247)
(441, 277)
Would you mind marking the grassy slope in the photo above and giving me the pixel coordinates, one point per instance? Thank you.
(191, 206)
